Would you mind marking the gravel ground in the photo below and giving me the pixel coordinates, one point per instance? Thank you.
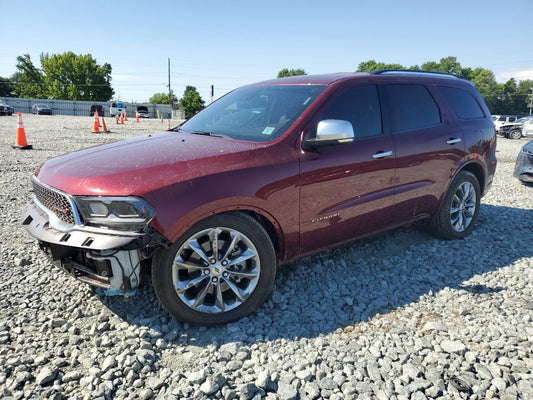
(400, 316)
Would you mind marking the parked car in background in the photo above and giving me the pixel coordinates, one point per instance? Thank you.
(266, 174)
(6, 109)
(116, 108)
(97, 107)
(143, 112)
(507, 128)
(524, 163)
(41, 109)
(500, 120)
(523, 127)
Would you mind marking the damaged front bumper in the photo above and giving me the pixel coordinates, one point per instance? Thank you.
(524, 164)
(104, 258)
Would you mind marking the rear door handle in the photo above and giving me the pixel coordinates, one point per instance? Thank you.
(453, 141)
(382, 154)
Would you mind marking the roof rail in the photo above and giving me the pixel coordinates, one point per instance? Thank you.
(412, 71)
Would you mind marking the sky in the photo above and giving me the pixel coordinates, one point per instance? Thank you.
(232, 43)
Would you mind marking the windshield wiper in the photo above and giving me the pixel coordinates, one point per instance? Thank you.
(206, 133)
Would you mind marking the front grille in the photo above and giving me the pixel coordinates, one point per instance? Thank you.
(56, 202)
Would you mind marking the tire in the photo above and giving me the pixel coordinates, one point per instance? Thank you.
(198, 285)
(459, 209)
(515, 134)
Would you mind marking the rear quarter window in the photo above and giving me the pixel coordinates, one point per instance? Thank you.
(463, 104)
(411, 107)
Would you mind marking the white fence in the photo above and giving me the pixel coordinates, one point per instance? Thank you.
(67, 107)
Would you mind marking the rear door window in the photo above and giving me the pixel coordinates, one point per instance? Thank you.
(411, 107)
(463, 103)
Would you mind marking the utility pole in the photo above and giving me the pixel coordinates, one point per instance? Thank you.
(169, 91)
(530, 105)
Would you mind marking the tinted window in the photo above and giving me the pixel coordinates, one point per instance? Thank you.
(360, 106)
(411, 107)
(463, 103)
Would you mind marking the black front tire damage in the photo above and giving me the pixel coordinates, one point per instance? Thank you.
(163, 261)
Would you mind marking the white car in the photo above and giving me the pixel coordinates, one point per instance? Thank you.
(514, 129)
(500, 120)
(527, 128)
(116, 108)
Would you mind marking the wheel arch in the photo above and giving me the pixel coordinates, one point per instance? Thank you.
(476, 170)
(265, 219)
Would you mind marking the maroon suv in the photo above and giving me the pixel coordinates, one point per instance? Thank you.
(268, 173)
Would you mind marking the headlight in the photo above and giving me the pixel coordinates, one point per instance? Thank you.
(527, 152)
(120, 213)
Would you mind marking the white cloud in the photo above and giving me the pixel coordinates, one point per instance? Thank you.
(519, 75)
(122, 77)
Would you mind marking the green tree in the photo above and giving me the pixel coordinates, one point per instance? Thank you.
(524, 98)
(191, 102)
(29, 80)
(487, 86)
(162, 98)
(372, 65)
(291, 72)
(6, 89)
(64, 76)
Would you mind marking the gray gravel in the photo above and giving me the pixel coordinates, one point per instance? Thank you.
(400, 316)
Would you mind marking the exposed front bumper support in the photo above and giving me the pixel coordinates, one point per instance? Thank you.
(108, 260)
(36, 221)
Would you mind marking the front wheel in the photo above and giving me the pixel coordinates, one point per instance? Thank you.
(219, 271)
(459, 210)
(515, 134)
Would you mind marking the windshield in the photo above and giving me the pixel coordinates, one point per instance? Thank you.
(254, 113)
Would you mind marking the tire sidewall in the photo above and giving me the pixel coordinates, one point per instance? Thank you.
(443, 222)
(162, 271)
(515, 134)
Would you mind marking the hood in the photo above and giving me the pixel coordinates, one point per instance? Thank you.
(140, 165)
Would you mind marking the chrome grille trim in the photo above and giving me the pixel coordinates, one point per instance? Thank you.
(57, 202)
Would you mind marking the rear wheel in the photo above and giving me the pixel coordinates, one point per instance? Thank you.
(219, 271)
(459, 209)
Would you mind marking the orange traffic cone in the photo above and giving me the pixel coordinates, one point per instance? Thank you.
(96, 124)
(136, 116)
(122, 118)
(168, 124)
(104, 128)
(20, 140)
(125, 115)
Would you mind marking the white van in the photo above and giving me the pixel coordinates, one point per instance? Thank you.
(116, 108)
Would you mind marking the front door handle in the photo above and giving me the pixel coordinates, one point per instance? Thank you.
(382, 154)
(453, 141)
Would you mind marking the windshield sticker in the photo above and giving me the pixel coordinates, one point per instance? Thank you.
(268, 130)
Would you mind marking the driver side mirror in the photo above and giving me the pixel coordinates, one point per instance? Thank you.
(332, 131)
